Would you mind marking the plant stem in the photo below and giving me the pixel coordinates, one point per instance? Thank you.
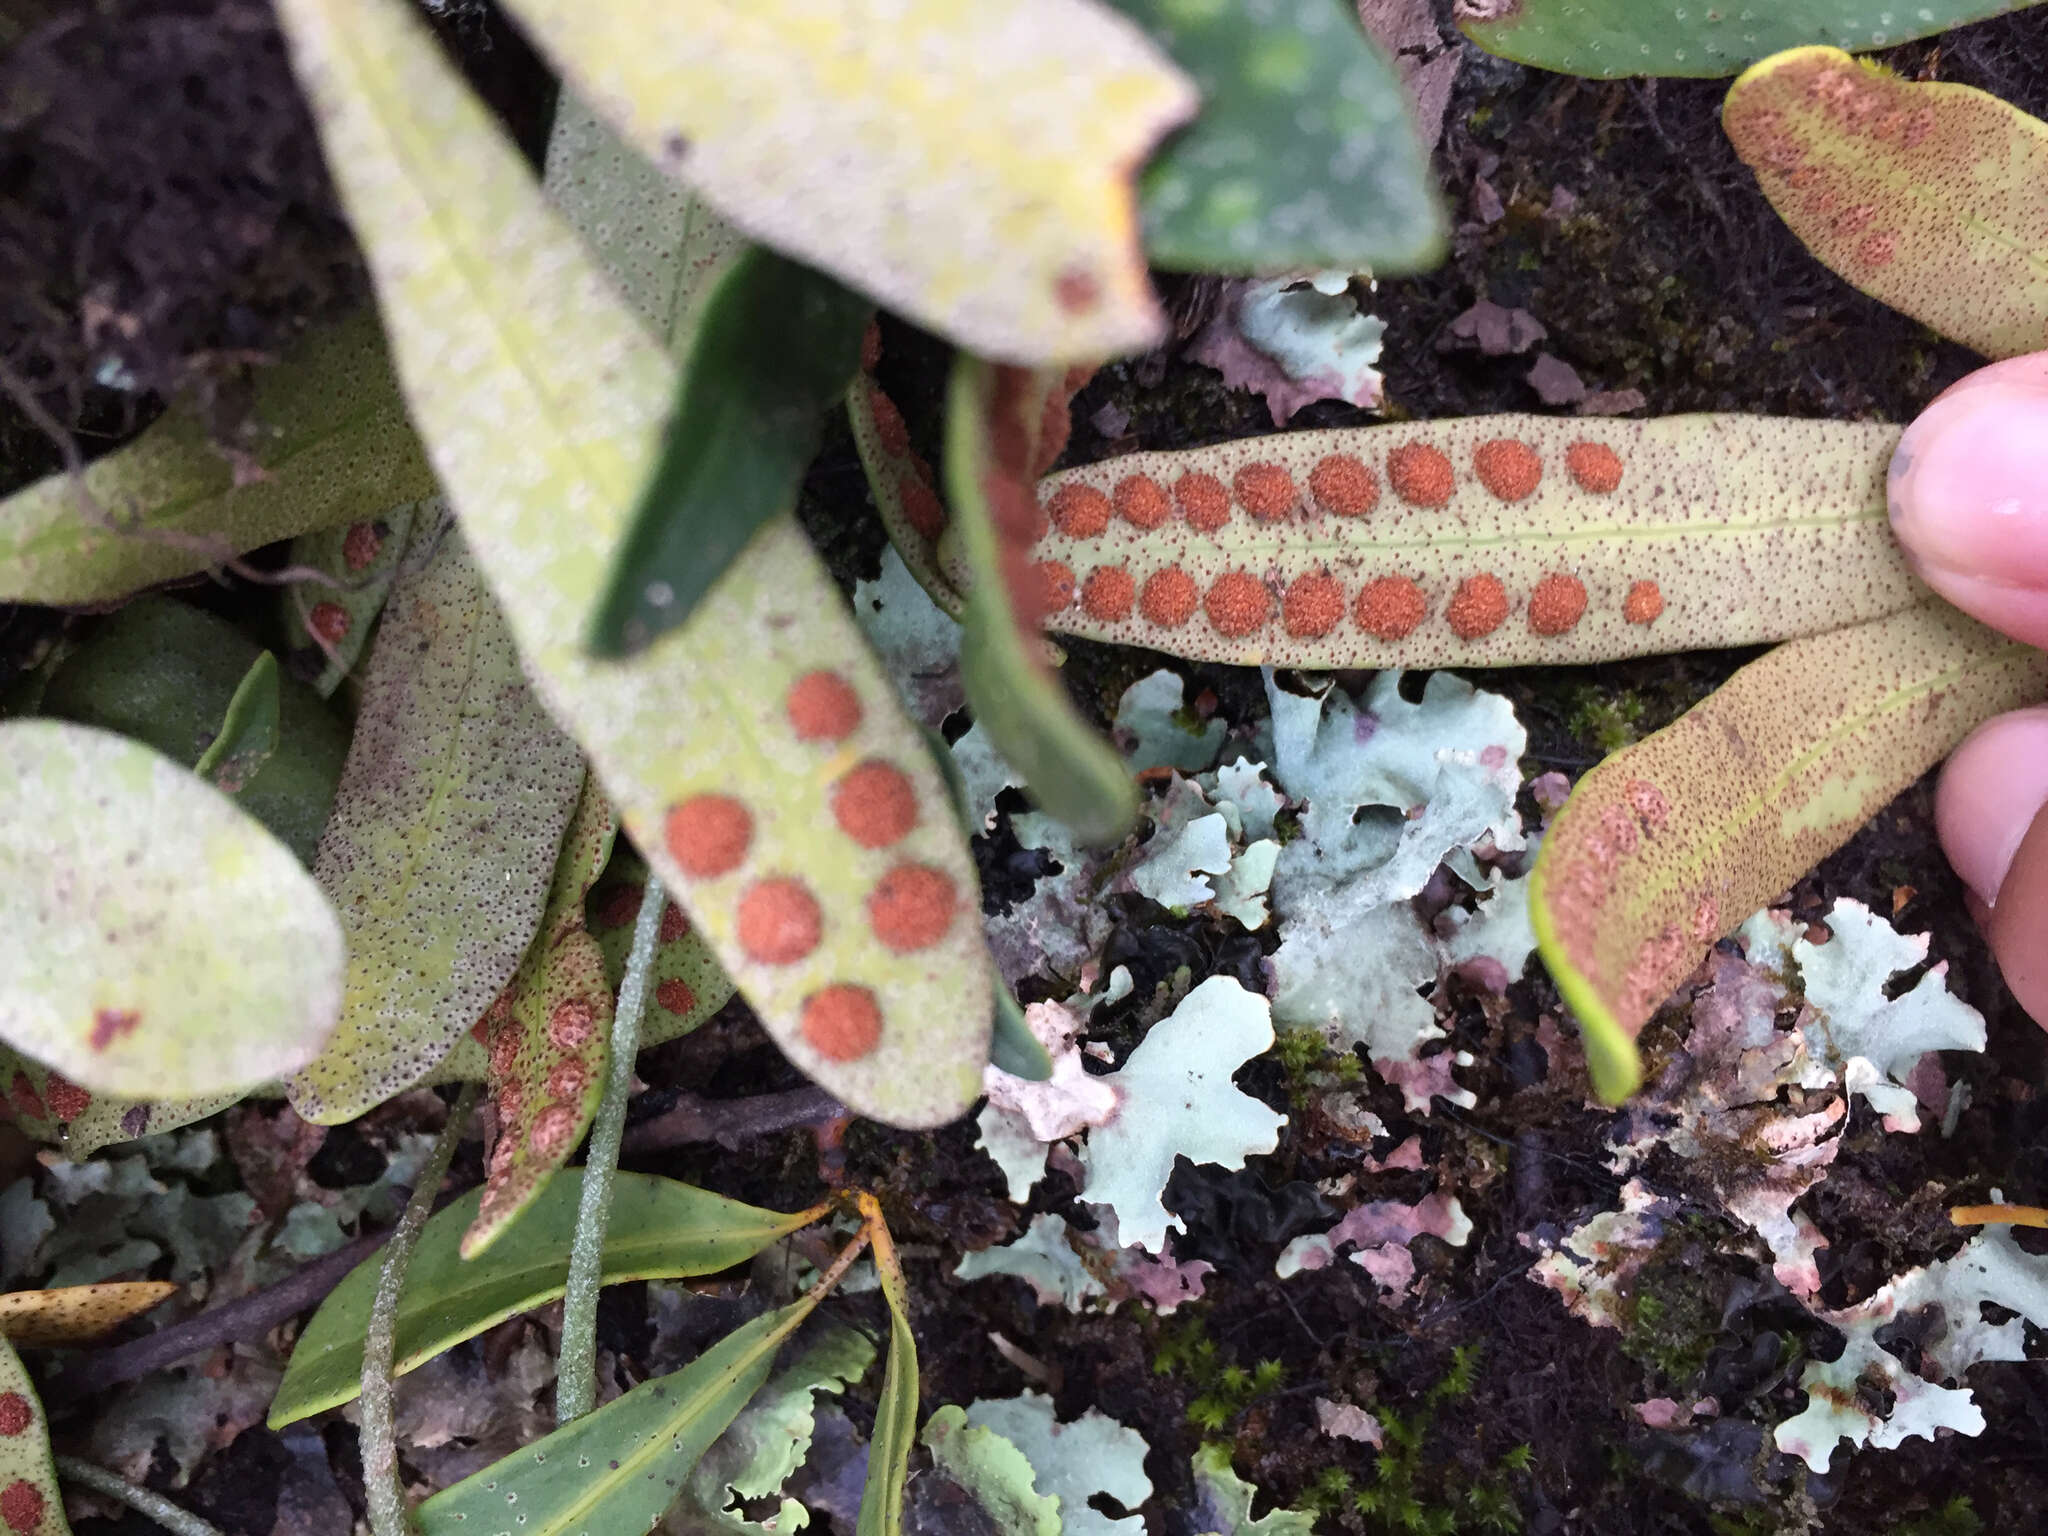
(381, 1487)
(180, 1522)
(576, 1370)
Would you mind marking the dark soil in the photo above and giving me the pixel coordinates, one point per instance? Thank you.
(166, 219)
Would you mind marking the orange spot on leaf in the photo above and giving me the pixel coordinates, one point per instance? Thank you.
(1509, 468)
(1108, 593)
(571, 1025)
(111, 1024)
(911, 907)
(708, 835)
(1390, 607)
(779, 921)
(21, 1506)
(822, 706)
(1079, 511)
(1142, 502)
(675, 996)
(1643, 604)
(1344, 486)
(842, 1022)
(1420, 475)
(1169, 598)
(874, 804)
(1055, 585)
(1237, 604)
(1594, 466)
(1313, 606)
(1202, 500)
(1264, 490)
(328, 622)
(1478, 607)
(15, 1413)
(1558, 603)
(360, 546)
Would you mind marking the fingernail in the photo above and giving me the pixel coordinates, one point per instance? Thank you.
(1969, 499)
(1993, 789)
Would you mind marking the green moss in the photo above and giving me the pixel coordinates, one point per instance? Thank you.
(1676, 1316)
(1224, 1388)
(1312, 1066)
(1955, 1518)
(1610, 721)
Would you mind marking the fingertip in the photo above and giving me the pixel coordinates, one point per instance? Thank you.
(1991, 792)
(2019, 921)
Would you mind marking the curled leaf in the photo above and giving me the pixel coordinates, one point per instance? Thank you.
(1488, 541)
(248, 731)
(362, 557)
(547, 1036)
(153, 937)
(967, 165)
(1670, 843)
(170, 503)
(444, 834)
(996, 442)
(1925, 196)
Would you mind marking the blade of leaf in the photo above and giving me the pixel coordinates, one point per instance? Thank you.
(688, 984)
(102, 840)
(547, 1036)
(77, 1314)
(881, 1498)
(1674, 841)
(1926, 197)
(1015, 1049)
(1503, 540)
(775, 349)
(660, 1228)
(165, 673)
(444, 836)
(30, 1500)
(620, 1468)
(901, 483)
(1071, 771)
(51, 1108)
(1304, 154)
(248, 731)
(966, 165)
(363, 556)
(502, 319)
(1638, 37)
(340, 451)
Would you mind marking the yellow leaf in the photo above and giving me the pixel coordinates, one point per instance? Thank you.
(76, 1314)
(968, 165)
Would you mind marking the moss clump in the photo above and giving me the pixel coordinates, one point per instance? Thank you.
(1675, 1319)
(1224, 1388)
(1610, 721)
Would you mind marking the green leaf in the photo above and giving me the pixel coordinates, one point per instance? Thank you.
(1224, 1502)
(1506, 540)
(167, 673)
(660, 1228)
(1015, 1049)
(30, 1502)
(153, 937)
(775, 349)
(1678, 37)
(50, 1107)
(169, 504)
(1670, 843)
(444, 834)
(620, 1468)
(993, 1471)
(1070, 770)
(967, 165)
(1926, 197)
(901, 483)
(1304, 154)
(363, 557)
(547, 1036)
(541, 396)
(687, 984)
(881, 1497)
(248, 731)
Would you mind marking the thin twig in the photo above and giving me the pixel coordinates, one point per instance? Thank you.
(576, 1368)
(180, 1522)
(215, 551)
(732, 1121)
(241, 1321)
(385, 1494)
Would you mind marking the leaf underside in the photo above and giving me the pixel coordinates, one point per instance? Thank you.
(363, 557)
(1672, 842)
(904, 489)
(967, 165)
(153, 936)
(29, 1495)
(659, 1228)
(1304, 154)
(444, 835)
(1682, 37)
(508, 333)
(547, 1037)
(1926, 197)
(993, 450)
(1486, 541)
(339, 451)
